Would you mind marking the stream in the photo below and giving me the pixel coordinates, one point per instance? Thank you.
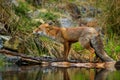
(37, 72)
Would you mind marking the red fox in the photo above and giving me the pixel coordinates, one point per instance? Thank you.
(87, 36)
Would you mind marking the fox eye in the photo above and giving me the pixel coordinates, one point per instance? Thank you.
(39, 28)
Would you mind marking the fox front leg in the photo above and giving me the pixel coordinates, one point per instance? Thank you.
(67, 47)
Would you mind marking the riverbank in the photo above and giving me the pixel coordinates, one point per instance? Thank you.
(21, 17)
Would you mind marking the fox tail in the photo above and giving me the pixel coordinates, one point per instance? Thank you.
(97, 44)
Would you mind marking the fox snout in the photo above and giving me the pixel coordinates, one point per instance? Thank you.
(37, 32)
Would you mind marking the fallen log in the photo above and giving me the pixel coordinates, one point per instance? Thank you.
(49, 61)
(21, 56)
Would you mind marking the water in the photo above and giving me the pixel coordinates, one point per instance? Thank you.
(36, 72)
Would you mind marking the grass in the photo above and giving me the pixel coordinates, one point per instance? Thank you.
(112, 47)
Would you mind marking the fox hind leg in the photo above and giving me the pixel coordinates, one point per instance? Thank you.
(85, 43)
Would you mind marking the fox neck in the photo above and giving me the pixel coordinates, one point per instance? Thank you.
(52, 33)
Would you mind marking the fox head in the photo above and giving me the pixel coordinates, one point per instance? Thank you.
(46, 29)
(42, 29)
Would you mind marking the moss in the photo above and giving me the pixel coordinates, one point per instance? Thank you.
(77, 46)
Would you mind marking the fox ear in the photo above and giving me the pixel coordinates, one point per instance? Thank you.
(50, 23)
(48, 26)
(45, 25)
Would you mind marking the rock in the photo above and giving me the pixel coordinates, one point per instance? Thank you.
(73, 10)
(88, 19)
(12, 59)
(65, 22)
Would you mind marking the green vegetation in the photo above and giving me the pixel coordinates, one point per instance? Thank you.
(22, 9)
(48, 16)
(77, 46)
(112, 47)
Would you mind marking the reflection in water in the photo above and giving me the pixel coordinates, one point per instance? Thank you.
(52, 73)
(101, 74)
(65, 75)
